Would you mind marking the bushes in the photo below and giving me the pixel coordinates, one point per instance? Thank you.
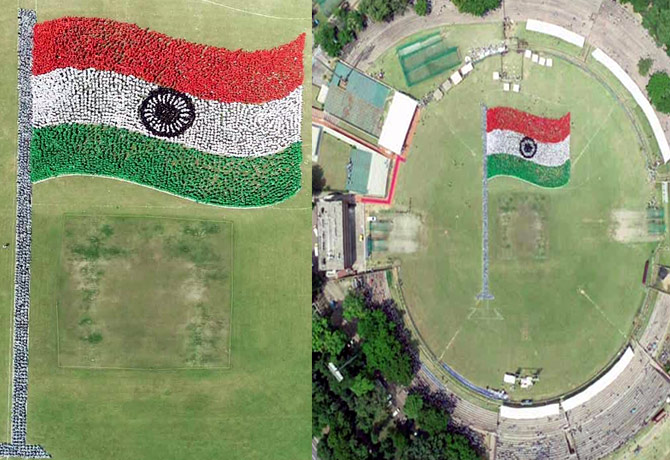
(476, 7)
(421, 7)
(644, 66)
(658, 90)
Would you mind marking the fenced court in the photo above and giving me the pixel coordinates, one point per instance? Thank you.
(427, 57)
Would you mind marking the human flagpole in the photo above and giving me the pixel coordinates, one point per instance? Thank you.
(485, 294)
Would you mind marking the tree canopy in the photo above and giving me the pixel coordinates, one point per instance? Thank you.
(476, 7)
(658, 90)
(382, 10)
(421, 7)
(354, 419)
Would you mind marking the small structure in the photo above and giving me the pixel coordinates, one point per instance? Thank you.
(496, 75)
(336, 373)
(550, 62)
(542, 61)
(505, 86)
(437, 94)
(664, 191)
(526, 382)
(323, 94)
(527, 54)
(466, 69)
(446, 86)
(316, 142)
(456, 78)
(535, 58)
(516, 88)
(510, 379)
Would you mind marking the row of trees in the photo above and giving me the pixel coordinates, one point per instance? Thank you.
(334, 35)
(655, 18)
(354, 419)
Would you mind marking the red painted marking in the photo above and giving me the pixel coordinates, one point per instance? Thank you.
(204, 71)
(539, 128)
(394, 179)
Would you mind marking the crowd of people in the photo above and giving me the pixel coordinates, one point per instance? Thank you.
(18, 446)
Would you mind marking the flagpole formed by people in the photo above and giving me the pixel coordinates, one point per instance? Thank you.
(485, 293)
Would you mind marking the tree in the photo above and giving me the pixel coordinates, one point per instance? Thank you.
(361, 386)
(318, 179)
(639, 6)
(326, 37)
(353, 306)
(644, 65)
(325, 339)
(413, 405)
(355, 21)
(383, 351)
(382, 10)
(658, 90)
(657, 21)
(421, 7)
(476, 7)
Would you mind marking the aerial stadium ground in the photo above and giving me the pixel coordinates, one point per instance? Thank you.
(224, 368)
(565, 267)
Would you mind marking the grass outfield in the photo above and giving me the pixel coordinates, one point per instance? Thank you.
(333, 158)
(144, 293)
(258, 408)
(566, 290)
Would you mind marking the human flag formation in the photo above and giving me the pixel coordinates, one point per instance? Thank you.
(205, 123)
(532, 148)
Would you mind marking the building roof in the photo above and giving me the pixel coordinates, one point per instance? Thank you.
(330, 227)
(357, 99)
(521, 413)
(358, 171)
(316, 141)
(398, 122)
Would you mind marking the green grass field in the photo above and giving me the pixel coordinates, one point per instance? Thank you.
(137, 292)
(567, 290)
(259, 407)
(333, 158)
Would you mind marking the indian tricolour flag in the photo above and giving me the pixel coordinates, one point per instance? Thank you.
(531, 148)
(214, 125)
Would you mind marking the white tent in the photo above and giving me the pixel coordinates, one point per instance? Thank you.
(397, 122)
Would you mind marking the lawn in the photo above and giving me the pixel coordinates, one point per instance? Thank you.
(568, 296)
(333, 158)
(465, 37)
(259, 407)
(137, 292)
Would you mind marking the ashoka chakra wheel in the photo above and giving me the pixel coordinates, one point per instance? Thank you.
(166, 112)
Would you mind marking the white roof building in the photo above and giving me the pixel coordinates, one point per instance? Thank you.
(397, 123)
(466, 69)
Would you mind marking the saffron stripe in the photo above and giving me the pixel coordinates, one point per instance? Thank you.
(539, 128)
(204, 71)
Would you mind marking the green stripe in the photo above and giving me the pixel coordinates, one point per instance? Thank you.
(190, 173)
(514, 166)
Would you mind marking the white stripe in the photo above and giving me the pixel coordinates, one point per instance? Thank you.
(548, 154)
(91, 96)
